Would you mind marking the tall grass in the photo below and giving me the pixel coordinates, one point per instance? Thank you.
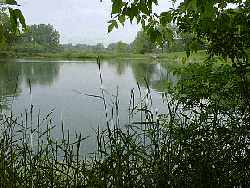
(180, 148)
(31, 158)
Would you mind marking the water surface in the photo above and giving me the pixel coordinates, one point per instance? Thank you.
(61, 86)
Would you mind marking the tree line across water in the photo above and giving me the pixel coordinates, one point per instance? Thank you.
(44, 38)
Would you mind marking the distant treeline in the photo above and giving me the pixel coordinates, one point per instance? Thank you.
(44, 38)
(140, 45)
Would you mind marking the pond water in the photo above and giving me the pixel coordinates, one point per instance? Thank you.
(61, 86)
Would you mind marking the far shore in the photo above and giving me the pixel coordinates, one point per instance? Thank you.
(173, 56)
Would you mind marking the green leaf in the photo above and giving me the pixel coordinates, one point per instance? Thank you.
(110, 28)
(154, 34)
(143, 7)
(131, 19)
(19, 15)
(184, 60)
(1, 30)
(116, 7)
(13, 20)
(14, 15)
(165, 17)
(112, 25)
(122, 19)
(132, 12)
(138, 19)
(116, 25)
(11, 2)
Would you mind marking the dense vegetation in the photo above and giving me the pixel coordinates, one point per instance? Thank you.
(202, 140)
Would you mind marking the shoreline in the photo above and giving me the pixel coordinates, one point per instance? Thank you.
(173, 56)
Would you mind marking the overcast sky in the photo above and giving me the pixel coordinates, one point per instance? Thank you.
(81, 21)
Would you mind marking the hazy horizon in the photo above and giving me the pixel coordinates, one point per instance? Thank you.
(82, 22)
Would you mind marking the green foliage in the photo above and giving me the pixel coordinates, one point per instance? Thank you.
(220, 84)
(224, 29)
(112, 25)
(45, 35)
(203, 18)
(112, 46)
(132, 9)
(122, 47)
(207, 125)
(36, 39)
(142, 43)
(28, 48)
(199, 56)
(7, 33)
(216, 99)
(166, 35)
(2, 38)
(15, 17)
(98, 48)
(11, 2)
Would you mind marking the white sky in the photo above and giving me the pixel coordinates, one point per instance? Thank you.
(81, 21)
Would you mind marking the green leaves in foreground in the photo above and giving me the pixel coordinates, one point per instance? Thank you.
(117, 5)
(123, 10)
(113, 24)
(11, 2)
(15, 15)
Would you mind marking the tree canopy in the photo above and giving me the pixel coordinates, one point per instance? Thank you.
(43, 34)
(36, 38)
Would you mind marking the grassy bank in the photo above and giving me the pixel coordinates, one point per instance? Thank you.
(163, 56)
(72, 55)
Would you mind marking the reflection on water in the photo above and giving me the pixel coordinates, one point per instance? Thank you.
(52, 84)
(40, 73)
(153, 71)
(12, 74)
(9, 83)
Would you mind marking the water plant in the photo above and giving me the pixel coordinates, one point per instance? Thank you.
(200, 141)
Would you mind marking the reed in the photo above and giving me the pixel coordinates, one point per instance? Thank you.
(179, 148)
